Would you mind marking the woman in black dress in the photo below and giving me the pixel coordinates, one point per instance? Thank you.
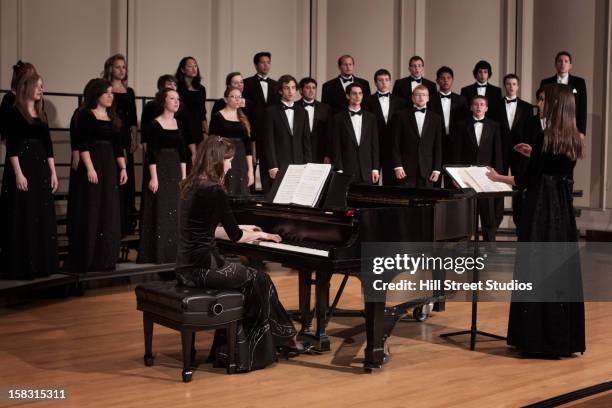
(20, 69)
(28, 231)
(166, 160)
(234, 80)
(96, 230)
(193, 98)
(115, 71)
(547, 328)
(205, 215)
(231, 123)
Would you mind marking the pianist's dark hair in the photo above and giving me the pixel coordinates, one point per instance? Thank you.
(208, 165)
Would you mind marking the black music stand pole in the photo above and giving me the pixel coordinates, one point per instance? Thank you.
(473, 332)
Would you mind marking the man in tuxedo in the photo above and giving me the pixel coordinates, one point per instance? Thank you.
(383, 104)
(563, 64)
(480, 144)
(319, 118)
(262, 91)
(453, 108)
(286, 133)
(334, 90)
(417, 143)
(355, 140)
(482, 73)
(404, 87)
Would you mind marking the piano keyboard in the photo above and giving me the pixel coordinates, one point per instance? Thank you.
(293, 248)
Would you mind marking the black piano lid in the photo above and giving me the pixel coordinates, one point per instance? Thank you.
(395, 192)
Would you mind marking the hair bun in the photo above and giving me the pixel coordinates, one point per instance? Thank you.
(18, 65)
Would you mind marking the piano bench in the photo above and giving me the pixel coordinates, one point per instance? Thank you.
(188, 310)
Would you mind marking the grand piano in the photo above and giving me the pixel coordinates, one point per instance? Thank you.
(327, 240)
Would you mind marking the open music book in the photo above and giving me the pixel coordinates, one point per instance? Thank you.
(476, 177)
(302, 184)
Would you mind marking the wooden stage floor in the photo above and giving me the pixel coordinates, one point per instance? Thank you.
(93, 347)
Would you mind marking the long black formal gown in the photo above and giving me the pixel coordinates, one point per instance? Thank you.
(193, 112)
(96, 231)
(547, 215)
(126, 112)
(73, 182)
(236, 179)
(159, 217)
(28, 230)
(266, 324)
(8, 101)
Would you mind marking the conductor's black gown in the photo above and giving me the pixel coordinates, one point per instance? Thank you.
(28, 231)
(551, 328)
(266, 324)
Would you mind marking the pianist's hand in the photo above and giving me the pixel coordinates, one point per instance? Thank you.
(264, 236)
(252, 228)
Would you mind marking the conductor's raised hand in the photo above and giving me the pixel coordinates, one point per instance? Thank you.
(524, 149)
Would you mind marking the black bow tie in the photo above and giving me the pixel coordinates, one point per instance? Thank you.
(478, 121)
(262, 79)
(422, 110)
(511, 100)
(285, 107)
(383, 95)
(481, 86)
(306, 104)
(345, 80)
(445, 96)
(413, 79)
(353, 113)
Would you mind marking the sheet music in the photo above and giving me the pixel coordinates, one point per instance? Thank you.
(302, 184)
(290, 182)
(476, 178)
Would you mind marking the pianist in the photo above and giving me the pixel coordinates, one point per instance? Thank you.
(205, 214)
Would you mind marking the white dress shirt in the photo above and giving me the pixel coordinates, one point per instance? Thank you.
(289, 113)
(510, 110)
(264, 87)
(446, 108)
(420, 119)
(478, 130)
(356, 120)
(563, 80)
(543, 123)
(310, 111)
(384, 104)
(481, 90)
(414, 84)
(347, 83)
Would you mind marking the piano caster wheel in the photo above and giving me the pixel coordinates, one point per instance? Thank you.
(420, 313)
(187, 375)
(148, 360)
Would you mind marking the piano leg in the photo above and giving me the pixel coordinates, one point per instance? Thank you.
(322, 299)
(305, 283)
(375, 334)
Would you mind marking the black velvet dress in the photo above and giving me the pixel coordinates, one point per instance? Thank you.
(96, 231)
(193, 112)
(28, 230)
(126, 111)
(547, 215)
(236, 179)
(266, 324)
(159, 217)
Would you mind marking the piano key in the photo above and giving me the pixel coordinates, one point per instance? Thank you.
(293, 248)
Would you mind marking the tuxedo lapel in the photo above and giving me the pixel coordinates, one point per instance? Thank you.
(349, 124)
(283, 116)
(425, 124)
(413, 123)
(379, 112)
(485, 134)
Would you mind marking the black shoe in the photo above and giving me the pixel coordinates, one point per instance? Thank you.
(288, 351)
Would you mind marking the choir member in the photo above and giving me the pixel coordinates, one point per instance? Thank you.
(166, 159)
(286, 133)
(28, 231)
(479, 143)
(482, 73)
(151, 109)
(354, 135)
(96, 231)
(193, 100)
(20, 69)
(405, 86)
(205, 216)
(234, 80)
(563, 65)
(383, 104)
(545, 328)
(334, 90)
(417, 143)
(319, 118)
(115, 71)
(262, 91)
(232, 123)
(453, 108)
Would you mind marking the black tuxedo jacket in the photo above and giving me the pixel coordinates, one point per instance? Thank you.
(578, 86)
(396, 104)
(357, 160)
(459, 111)
(319, 134)
(334, 95)
(489, 152)
(512, 134)
(253, 92)
(418, 155)
(493, 95)
(282, 147)
(403, 88)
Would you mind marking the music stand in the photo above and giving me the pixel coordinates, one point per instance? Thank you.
(474, 195)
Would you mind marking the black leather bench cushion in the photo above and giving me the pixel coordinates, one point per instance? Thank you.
(189, 305)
